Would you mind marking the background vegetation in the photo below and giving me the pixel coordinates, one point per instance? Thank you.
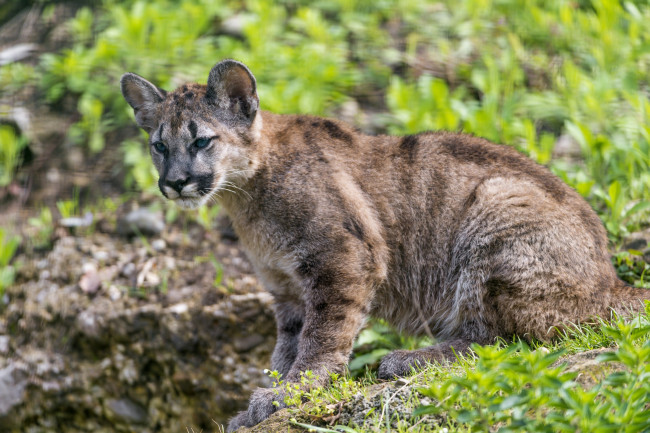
(566, 82)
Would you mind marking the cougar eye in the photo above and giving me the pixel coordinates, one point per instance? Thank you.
(202, 142)
(160, 146)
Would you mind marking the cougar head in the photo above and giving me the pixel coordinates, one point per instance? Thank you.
(202, 138)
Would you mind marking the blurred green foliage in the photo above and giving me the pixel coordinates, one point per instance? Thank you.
(8, 246)
(521, 72)
(11, 145)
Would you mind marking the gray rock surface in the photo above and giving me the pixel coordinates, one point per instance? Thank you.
(163, 354)
(12, 389)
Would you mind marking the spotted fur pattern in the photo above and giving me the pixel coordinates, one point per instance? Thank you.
(439, 233)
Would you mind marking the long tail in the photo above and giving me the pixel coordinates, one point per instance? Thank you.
(626, 299)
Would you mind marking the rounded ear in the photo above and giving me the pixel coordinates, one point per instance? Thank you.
(232, 87)
(143, 97)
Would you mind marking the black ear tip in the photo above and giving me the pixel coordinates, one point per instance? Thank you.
(127, 78)
(231, 62)
(218, 70)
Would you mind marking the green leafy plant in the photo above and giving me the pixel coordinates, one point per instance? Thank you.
(377, 340)
(43, 225)
(141, 172)
(305, 398)
(519, 389)
(632, 268)
(206, 215)
(8, 246)
(69, 208)
(11, 146)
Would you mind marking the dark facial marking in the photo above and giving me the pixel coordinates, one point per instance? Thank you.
(245, 138)
(204, 183)
(336, 132)
(163, 177)
(193, 129)
(176, 120)
(160, 131)
(188, 95)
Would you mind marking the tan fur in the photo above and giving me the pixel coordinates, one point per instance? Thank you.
(438, 233)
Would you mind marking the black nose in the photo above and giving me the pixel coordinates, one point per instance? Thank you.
(177, 184)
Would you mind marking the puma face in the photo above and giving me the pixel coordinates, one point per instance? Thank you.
(202, 138)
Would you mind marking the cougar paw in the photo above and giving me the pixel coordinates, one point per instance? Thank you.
(397, 364)
(240, 420)
(260, 408)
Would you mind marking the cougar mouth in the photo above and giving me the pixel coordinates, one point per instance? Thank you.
(189, 198)
(192, 195)
(188, 203)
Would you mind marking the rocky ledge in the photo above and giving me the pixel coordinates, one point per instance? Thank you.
(108, 333)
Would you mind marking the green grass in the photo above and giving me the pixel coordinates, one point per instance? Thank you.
(511, 388)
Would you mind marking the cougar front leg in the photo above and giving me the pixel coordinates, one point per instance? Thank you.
(334, 313)
(332, 321)
(289, 319)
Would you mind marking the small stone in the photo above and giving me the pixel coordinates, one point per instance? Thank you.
(141, 221)
(127, 410)
(17, 52)
(114, 293)
(234, 25)
(401, 382)
(90, 324)
(169, 263)
(84, 221)
(246, 343)
(90, 282)
(178, 308)
(128, 270)
(51, 386)
(349, 111)
(152, 279)
(88, 267)
(638, 244)
(158, 245)
(566, 147)
(100, 256)
(12, 385)
(4, 343)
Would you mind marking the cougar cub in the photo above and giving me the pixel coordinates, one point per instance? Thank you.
(438, 232)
